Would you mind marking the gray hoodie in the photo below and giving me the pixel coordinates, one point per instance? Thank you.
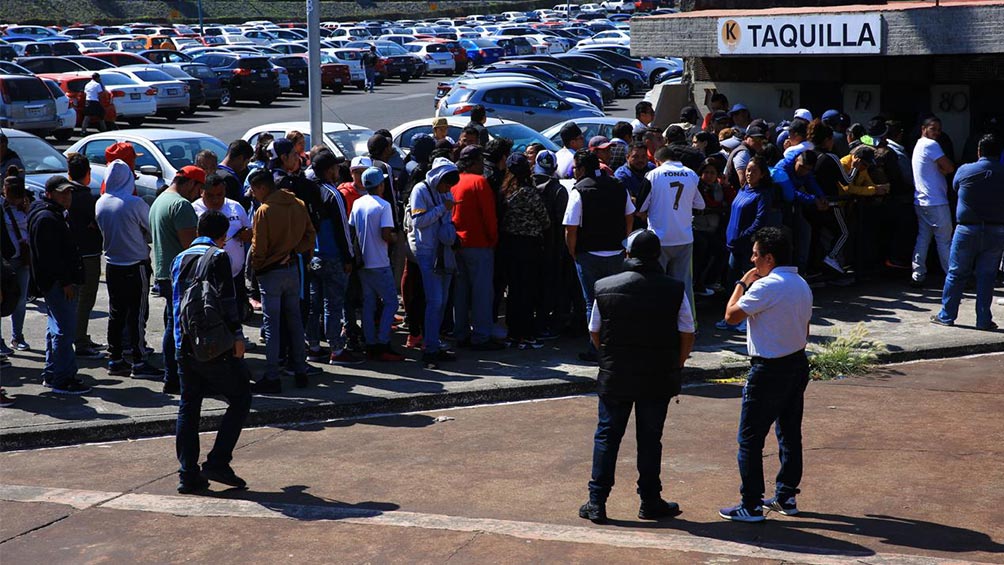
(123, 218)
(427, 215)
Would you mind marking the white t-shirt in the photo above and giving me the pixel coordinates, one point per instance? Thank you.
(779, 307)
(684, 321)
(932, 187)
(370, 214)
(239, 219)
(671, 203)
(573, 216)
(91, 91)
(637, 127)
(565, 160)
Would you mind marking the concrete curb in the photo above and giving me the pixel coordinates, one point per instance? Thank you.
(134, 429)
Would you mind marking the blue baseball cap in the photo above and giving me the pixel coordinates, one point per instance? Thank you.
(546, 163)
(372, 177)
(738, 108)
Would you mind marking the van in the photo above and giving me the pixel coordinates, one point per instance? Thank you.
(26, 104)
(567, 10)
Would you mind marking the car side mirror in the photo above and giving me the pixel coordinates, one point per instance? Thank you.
(151, 170)
(562, 105)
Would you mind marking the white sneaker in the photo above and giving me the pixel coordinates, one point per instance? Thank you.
(833, 264)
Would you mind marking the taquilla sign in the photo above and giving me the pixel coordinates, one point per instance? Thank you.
(838, 34)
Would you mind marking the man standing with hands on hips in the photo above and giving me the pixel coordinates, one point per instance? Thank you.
(778, 305)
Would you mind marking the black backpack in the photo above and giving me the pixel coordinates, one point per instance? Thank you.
(201, 315)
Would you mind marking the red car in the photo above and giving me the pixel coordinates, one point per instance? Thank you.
(73, 85)
(334, 74)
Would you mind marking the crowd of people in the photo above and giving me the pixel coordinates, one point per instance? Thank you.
(464, 234)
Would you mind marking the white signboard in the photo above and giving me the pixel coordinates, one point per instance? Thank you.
(839, 34)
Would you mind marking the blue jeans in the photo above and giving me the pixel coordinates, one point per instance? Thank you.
(976, 250)
(17, 317)
(774, 394)
(936, 222)
(378, 285)
(474, 293)
(167, 343)
(61, 331)
(327, 302)
(370, 78)
(280, 305)
(224, 376)
(678, 261)
(650, 417)
(436, 287)
(592, 268)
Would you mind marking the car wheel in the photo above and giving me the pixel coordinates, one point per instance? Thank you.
(655, 74)
(172, 115)
(623, 89)
(226, 98)
(190, 111)
(405, 77)
(62, 134)
(337, 89)
(266, 101)
(304, 92)
(215, 104)
(135, 122)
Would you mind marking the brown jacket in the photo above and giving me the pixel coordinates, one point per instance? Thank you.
(281, 227)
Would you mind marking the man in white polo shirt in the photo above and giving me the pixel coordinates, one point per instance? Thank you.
(778, 305)
(668, 199)
(238, 236)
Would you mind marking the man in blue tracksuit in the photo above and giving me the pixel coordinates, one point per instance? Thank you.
(800, 193)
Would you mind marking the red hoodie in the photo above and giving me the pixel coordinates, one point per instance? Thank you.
(474, 212)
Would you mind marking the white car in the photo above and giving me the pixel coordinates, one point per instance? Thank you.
(619, 6)
(546, 45)
(404, 134)
(436, 56)
(612, 36)
(127, 45)
(133, 101)
(160, 153)
(344, 140)
(171, 94)
(350, 57)
(67, 114)
(592, 9)
(260, 37)
(86, 46)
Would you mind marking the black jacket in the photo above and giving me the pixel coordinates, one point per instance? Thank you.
(307, 191)
(54, 255)
(639, 340)
(82, 223)
(234, 187)
(603, 225)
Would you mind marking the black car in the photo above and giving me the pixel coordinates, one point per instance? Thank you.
(251, 76)
(196, 92)
(90, 63)
(297, 69)
(49, 65)
(161, 56)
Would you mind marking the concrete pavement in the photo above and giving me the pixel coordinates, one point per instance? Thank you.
(902, 466)
(894, 315)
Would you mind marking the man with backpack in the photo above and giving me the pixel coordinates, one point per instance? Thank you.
(210, 341)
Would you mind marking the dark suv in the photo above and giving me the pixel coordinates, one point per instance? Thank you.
(296, 68)
(251, 77)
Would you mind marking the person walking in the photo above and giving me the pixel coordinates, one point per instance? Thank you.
(58, 272)
(88, 236)
(641, 356)
(15, 212)
(370, 59)
(373, 222)
(934, 216)
(226, 374)
(124, 221)
(777, 303)
(281, 230)
(93, 110)
(978, 243)
(173, 226)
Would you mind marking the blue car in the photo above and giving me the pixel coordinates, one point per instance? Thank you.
(481, 52)
(585, 91)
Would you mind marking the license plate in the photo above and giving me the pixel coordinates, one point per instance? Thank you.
(33, 111)
(263, 73)
(172, 91)
(300, 81)
(134, 96)
(338, 80)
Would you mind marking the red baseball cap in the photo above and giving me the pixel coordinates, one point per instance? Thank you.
(191, 172)
(121, 150)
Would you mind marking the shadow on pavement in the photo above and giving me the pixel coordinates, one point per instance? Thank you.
(295, 502)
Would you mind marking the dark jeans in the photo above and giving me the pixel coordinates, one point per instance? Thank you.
(650, 417)
(521, 262)
(224, 376)
(127, 287)
(413, 297)
(774, 394)
(88, 296)
(171, 371)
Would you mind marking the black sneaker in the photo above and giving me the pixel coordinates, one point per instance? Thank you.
(319, 355)
(267, 386)
(445, 355)
(658, 508)
(740, 513)
(89, 353)
(71, 387)
(490, 345)
(171, 387)
(119, 368)
(193, 486)
(311, 370)
(144, 370)
(95, 345)
(589, 357)
(785, 506)
(594, 512)
(300, 380)
(223, 475)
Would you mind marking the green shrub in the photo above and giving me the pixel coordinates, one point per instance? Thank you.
(844, 355)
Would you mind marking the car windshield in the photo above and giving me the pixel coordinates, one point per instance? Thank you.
(181, 152)
(117, 79)
(200, 71)
(521, 136)
(458, 95)
(389, 48)
(25, 89)
(152, 75)
(176, 72)
(38, 156)
(351, 142)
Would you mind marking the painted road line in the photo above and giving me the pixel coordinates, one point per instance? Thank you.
(196, 506)
(410, 96)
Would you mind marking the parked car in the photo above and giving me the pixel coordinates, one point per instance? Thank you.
(297, 71)
(196, 94)
(40, 65)
(160, 153)
(596, 9)
(482, 52)
(126, 45)
(89, 63)
(404, 134)
(166, 56)
(576, 89)
(625, 82)
(212, 85)
(67, 114)
(590, 127)
(173, 96)
(120, 58)
(396, 60)
(40, 160)
(72, 85)
(9, 68)
(352, 58)
(520, 102)
(249, 77)
(621, 6)
(613, 36)
(31, 33)
(563, 72)
(651, 66)
(334, 73)
(435, 55)
(86, 46)
(515, 46)
(26, 104)
(344, 140)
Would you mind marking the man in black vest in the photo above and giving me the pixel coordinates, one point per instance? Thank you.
(597, 218)
(640, 361)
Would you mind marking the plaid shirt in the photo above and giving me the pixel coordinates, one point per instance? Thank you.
(618, 153)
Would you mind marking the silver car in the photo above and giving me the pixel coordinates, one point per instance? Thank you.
(520, 102)
(26, 104)
(172, 94)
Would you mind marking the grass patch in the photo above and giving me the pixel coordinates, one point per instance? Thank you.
(844, 355)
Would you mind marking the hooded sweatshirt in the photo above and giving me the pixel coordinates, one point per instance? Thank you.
(426, 212)
(124, 219)
(54, 255)
(282, 227)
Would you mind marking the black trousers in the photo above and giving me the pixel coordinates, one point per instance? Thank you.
(521, 256)
(127, 286)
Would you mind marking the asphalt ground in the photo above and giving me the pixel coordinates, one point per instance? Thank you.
(902, 466)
